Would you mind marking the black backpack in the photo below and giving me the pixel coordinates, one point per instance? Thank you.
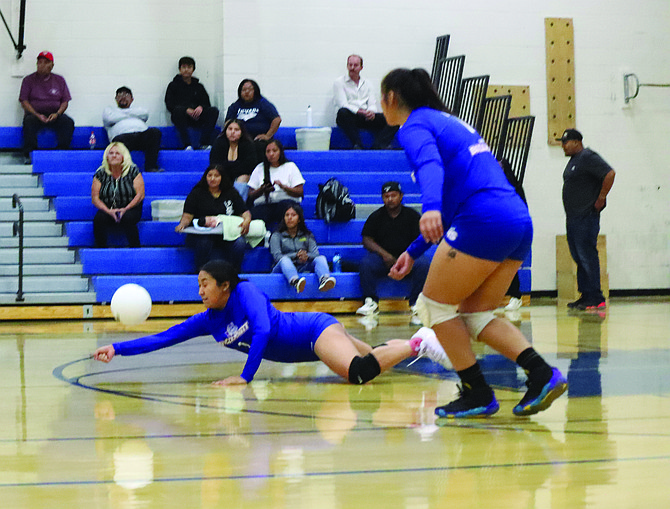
(333, 203)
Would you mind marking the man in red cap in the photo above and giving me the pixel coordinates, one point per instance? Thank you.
(44, 97)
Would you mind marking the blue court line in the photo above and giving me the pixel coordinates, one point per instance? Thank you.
(75, 381)
(350, 472)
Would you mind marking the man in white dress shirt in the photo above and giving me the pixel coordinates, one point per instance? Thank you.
(357, 107)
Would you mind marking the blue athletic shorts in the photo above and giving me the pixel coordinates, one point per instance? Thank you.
(298, 333)
(493, 226)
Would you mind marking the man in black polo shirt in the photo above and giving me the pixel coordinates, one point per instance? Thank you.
(586, 181)
(387, 233)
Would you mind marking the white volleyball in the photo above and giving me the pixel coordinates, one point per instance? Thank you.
(131, 304)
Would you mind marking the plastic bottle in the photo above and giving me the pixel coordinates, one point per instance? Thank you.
(91, 140)
(310, 120)
(337, 263)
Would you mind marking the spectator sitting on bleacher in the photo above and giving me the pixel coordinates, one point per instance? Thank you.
(274, 184)
(128, 124)
(188, 102)
(387, 233)
(234, 151)
(294, 250)
(260, 115)
(44, 97)
(357, 107)
(117, 192)
(213, 195)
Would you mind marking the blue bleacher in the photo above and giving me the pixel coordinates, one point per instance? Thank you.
(387, 162)
(11, 137)
(184, 287)
(159, 233)
(180, 183)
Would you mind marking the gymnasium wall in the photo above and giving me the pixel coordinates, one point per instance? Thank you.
(296, 49)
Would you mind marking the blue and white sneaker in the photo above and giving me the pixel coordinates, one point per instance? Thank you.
(540, 397)
(470, 404)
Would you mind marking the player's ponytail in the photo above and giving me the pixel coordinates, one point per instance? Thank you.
(413, 88)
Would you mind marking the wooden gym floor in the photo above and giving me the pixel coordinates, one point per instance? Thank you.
(151, 432)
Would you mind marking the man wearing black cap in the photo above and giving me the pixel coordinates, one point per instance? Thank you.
(44, 97)
(586, 181)
(387, 233)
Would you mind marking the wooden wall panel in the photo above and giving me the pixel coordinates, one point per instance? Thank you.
(520, 106)
(559, 45)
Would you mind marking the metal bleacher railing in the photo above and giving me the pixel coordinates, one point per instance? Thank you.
(466, 97)
(448, 79)
(471, 99)
(496, 112)
(17, 229)
(516, 146)
(441, 50)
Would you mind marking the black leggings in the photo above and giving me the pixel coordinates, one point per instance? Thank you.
(103, 222)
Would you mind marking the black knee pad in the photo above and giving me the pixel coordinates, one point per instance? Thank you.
(363, 369)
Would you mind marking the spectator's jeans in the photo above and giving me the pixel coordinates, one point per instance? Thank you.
(373, 269)
(213, 247)
(63, 126)
(582, 235)
(286, 266)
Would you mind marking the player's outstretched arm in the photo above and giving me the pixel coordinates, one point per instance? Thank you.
(104, 353)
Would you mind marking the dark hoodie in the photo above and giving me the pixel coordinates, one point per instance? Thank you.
(178, 93)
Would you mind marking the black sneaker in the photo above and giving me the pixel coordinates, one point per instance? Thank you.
(470, 403)
(576, 304)
(541, 395)
(599, 305)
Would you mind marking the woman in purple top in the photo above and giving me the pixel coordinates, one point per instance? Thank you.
(484, 233)
(241, 317)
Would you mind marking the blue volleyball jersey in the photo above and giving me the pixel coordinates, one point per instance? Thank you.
(250, 324)
(453, 165)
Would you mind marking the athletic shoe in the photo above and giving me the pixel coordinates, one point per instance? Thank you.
(470, 404)
(430, 347)
(576, 304)
(514, 304)
(326, 283)
(591, 306)
(368, 308)
(540, 397)
(188, 148)
(205, 147)
(299, 284)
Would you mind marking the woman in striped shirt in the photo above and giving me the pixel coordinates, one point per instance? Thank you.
(117, 192)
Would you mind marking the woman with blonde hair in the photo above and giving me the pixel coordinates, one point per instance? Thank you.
(117, 192)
